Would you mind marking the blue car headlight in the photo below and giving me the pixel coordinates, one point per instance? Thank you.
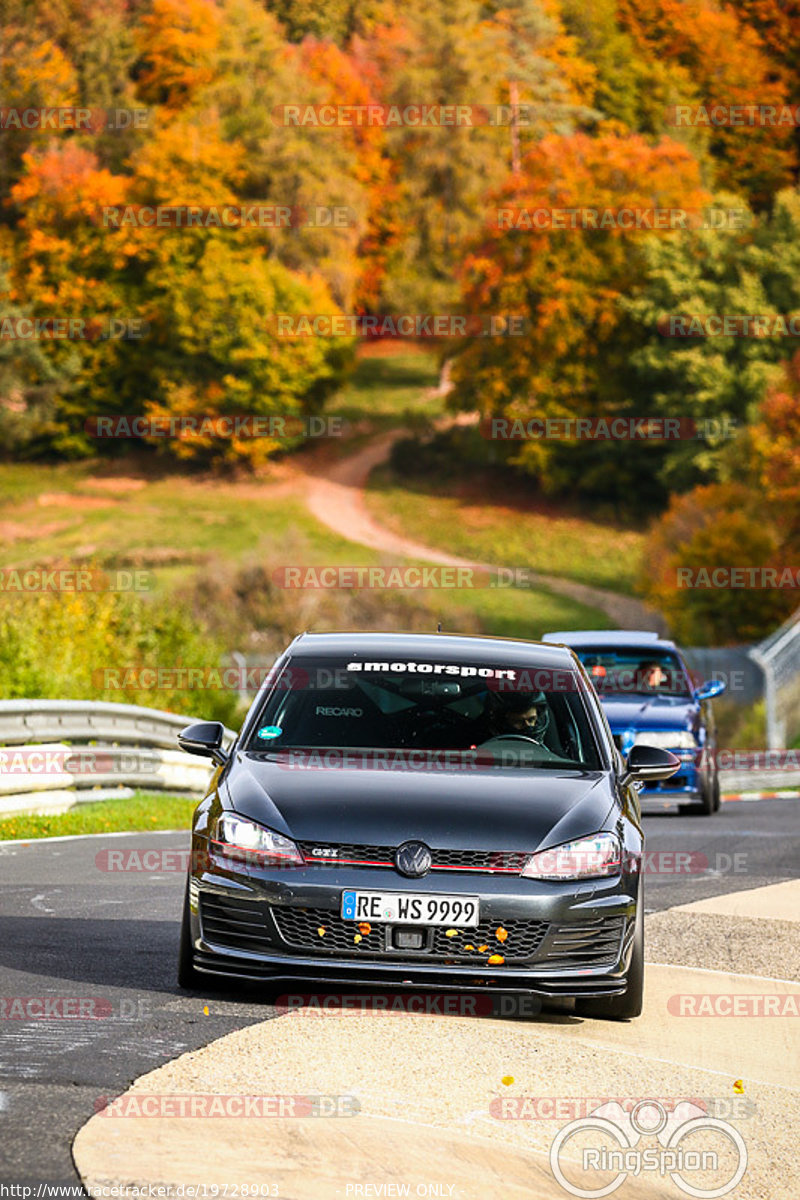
(680, 741)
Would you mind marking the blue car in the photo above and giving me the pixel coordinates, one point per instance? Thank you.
(647, 692)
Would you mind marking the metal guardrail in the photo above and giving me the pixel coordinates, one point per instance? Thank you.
(779, 658)
(57, 753)
(24, 721)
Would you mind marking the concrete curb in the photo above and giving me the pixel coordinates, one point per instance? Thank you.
(426, 1086)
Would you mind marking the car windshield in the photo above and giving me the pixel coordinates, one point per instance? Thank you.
(634, 670)
(493, 714)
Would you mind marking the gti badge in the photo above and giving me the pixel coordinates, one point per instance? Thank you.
(413, 859)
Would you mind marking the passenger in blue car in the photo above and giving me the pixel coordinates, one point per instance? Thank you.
(650, 676)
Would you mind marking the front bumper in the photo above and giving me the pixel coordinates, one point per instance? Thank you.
(564, 938)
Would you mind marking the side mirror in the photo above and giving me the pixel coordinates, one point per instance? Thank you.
(204, 738)
(646, 764)
(710, 689)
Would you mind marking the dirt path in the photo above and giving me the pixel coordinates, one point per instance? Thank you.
(336, 498)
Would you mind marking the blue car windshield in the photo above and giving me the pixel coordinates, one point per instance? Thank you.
(496, 714)
(634, 671)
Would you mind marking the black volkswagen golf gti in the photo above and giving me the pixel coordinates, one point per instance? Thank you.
(422, 810)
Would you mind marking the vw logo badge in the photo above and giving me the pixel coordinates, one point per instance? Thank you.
(413, 859)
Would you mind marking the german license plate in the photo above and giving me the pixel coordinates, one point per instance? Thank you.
(413, 908)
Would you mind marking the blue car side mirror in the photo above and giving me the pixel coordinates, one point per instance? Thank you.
(710, 689)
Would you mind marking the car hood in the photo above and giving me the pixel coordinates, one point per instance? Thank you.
(486, 809)
(649, 712)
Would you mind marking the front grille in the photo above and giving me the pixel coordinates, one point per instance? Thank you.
(586, 943)
(524, 939)
(675, 783)
(235, 924)
(300, 928)
(250, 925)
(352, 854)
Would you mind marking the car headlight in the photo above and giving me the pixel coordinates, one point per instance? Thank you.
(239, 838)
(586, 858)
(667, 739)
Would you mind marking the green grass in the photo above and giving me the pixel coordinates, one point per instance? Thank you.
(175, 522)
(171, 518)
(513, 612)
(144, 810)
(386, 391)
(455, 516)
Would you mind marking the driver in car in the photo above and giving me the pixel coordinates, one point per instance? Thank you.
(524, 713)
(651, 676)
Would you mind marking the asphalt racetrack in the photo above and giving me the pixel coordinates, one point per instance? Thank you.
(71, 931)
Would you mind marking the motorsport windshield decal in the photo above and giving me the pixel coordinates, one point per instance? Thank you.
(434, 669)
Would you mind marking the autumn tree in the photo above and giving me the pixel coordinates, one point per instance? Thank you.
(464, 54)
(715, 526)
(776, 447)
(572, 359)
(34, 72)
(727, 63)
(719, 380)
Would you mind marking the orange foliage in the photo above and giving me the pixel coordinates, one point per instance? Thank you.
(776, 440)
(63, 184)
(354, 79)
(178, 40)
(728, 64)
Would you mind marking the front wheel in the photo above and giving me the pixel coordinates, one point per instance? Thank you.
(709, 801)
(629, 1004)
(188, 977)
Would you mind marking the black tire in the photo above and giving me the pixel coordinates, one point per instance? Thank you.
(188, 977)
(629, 1004)
(709, 801)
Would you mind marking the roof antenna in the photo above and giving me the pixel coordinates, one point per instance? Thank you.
(439, 627)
